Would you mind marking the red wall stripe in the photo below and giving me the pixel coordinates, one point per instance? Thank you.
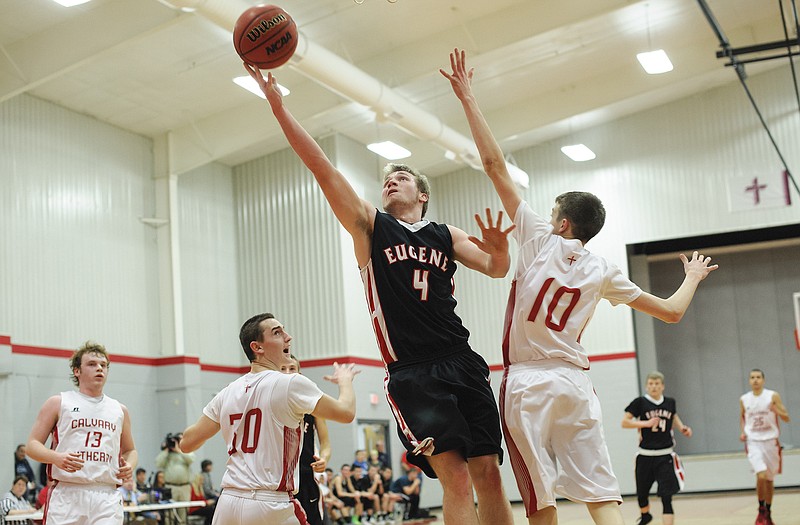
(193, 360)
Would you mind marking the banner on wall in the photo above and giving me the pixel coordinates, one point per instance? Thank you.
(757, 191)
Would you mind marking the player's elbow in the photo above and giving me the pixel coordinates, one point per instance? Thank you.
(345, 414)
(671, 316)
(187, 444)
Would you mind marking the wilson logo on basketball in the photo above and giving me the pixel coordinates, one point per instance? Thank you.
(277, 45)
(265, 25)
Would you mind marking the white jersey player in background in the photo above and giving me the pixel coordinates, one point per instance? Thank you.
(92, 449)
(760, 409)
(260, 415)
(550, 411)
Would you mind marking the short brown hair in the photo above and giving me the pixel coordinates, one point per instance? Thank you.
(251, 331)
(584, 211)
(89, 347)
(423, 186)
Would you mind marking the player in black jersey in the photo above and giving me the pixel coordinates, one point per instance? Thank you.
(654, 415)
(437, 386)
(308, 493)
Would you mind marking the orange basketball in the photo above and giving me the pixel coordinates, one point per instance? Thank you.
(265, 36)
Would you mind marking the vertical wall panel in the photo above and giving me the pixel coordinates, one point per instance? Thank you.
(209, 257)
(481, 299)
(289, 252)
(76, 263)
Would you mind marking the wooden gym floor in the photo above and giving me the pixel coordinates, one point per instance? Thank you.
(727, 508)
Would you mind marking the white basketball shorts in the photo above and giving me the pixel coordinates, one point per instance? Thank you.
(244, 507)
(82, 504)
(765, 456)
(551, 419)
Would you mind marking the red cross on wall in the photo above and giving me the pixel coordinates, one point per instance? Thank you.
(756, 188)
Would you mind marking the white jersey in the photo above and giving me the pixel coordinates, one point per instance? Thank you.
(557, 285)
(260, 416)
(760, 423)
(92, 427)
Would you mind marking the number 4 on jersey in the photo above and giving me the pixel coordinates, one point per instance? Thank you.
(421, 283)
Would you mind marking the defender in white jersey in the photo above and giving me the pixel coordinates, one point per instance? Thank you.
(551, 415)
(760, 409)
(92, 450)
(260, 415)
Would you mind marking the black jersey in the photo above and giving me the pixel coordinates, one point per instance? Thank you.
(661, 437)
(409, 288)
(307, 450)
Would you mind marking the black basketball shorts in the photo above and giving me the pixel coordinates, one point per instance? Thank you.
(448, 399)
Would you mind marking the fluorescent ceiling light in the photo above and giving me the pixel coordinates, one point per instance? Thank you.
(655, 62)
(517, 175)
(578, 152)
(70, 3)
(389, 150)
(251, 85)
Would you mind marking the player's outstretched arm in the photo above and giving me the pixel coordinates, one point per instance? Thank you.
(197, 434)
(778, 407)
(342, 410)
(494, 162)
(489, 254)
(671, 310)
(354, 213)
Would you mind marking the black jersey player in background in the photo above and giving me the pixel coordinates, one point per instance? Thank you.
(437, 386)
(655, 415)
(308, 493)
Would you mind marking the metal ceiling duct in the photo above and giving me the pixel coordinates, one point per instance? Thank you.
(342, 77)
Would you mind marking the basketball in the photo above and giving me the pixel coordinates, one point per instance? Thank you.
(265, 36)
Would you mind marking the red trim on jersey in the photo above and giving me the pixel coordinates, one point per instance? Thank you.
(401, 422)
(378, 323)
(299, 512)
(678, 466)
(291, 454)
(47, 502)
(508, 320)
(521, 472)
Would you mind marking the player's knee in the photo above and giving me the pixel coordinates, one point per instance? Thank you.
(485, 470)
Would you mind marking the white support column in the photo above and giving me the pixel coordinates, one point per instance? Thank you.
(168, 239)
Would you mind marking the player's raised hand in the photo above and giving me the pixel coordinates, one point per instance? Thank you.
(269, 86)
(699, 265)
(342, 373)
(461, 78)
(494, 239)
